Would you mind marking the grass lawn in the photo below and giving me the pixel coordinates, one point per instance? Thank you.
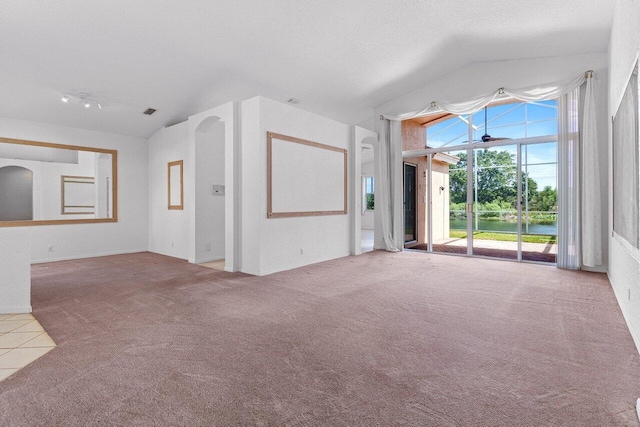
(505, 237)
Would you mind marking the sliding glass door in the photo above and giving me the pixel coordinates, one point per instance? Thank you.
(495, 201)
(539, 208)
(491, 182)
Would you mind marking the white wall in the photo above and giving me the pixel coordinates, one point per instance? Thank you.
(271, 245)
(624, 264)
(197, 180)
(168, 229)
(129, 234)
(482, 78)
(210, 238)
(15, 271)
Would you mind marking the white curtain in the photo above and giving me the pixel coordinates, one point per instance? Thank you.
(542, 92)
(591, 208)
(568, 181)
(385, 183)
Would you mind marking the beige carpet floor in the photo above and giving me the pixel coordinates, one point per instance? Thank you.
(406, 339)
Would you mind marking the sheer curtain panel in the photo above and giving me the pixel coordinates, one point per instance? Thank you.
(568, 181)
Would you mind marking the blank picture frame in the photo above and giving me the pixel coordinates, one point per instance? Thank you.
(626, 165)
(175, 185)
(305, 178)
(78, 195)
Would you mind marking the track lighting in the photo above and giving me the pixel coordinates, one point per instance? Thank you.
(84, 99)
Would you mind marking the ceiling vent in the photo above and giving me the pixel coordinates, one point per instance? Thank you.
(293, 101)
(149, 111)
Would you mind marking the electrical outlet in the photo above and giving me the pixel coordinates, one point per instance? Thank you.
(207, 247)
(172, 243)
(301, 251)
(629, 294)
(50, 248)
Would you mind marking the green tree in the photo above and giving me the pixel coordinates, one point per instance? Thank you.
(497, 179)
(545, 200)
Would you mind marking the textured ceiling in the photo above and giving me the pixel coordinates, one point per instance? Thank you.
(341, 58)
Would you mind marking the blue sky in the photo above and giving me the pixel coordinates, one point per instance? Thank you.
(517, 120)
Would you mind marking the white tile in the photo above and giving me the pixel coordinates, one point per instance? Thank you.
(42, 340)
(21, 357)
(25, 316)
(30, 326)
(15, 339)
(11, 325)
(4, 373)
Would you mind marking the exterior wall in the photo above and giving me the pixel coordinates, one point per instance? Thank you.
(440, 201)
(414, 137)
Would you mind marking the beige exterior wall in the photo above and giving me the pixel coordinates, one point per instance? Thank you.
(414, 137)
(440, 201)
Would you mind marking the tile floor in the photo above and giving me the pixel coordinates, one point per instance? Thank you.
(22, 340)
(218, 265)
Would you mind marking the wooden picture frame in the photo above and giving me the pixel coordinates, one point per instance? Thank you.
(310, 171)
(113, 185)
(87, 209)
(175, 185)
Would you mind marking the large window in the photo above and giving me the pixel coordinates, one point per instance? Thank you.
(494, 182)
(510, 121)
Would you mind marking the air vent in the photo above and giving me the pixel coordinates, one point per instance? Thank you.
(293, 101)
(149, 111)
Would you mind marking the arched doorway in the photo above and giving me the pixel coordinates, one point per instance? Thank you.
(16, 194)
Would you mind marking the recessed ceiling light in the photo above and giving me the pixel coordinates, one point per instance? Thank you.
(65, 97)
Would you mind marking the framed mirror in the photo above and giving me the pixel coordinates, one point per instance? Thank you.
(175, 185)
(626, 165)
(43, 183)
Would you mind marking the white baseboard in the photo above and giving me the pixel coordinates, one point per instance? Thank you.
(67, 258)
(15, 309)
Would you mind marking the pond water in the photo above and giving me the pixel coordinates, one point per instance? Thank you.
(504, 226)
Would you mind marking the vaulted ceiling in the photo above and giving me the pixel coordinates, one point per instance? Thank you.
(340, 58)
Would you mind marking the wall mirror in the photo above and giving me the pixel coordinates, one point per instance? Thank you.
(175, 185)
(42, 183)
(626, 165)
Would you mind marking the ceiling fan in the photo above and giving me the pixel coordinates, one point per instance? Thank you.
(486, 137)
